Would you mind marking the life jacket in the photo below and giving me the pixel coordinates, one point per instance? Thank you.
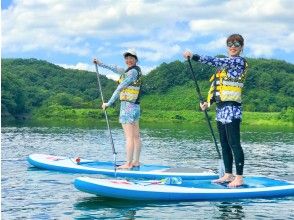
(224, 88)
(132, 92)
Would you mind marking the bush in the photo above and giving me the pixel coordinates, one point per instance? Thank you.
(287, 115)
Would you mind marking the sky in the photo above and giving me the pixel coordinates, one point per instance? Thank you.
(70, 33)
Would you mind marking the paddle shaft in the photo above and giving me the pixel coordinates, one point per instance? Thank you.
(205, 111)
(106, 116)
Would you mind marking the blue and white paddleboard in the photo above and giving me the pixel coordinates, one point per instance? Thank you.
(65, 164)
(254, 187)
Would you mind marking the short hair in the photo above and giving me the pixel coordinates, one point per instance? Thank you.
(236, 37)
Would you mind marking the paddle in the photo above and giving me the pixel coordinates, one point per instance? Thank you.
(221, 164)
(107, 121)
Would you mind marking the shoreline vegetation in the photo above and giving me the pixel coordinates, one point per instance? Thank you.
(63, 113)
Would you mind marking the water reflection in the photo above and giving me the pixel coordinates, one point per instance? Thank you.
(116, 208)
(99, 207)
(230, 211)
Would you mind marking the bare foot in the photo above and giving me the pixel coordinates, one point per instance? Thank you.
(136, 164)
(225, 179)
(238, 181)
(125, 166)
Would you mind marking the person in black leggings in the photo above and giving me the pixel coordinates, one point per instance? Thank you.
(225, 91)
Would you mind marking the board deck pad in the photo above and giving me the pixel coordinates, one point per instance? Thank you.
(149, 171)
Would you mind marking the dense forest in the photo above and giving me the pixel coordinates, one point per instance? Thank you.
(29, 85)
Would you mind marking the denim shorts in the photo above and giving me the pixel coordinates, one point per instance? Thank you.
(129, 112)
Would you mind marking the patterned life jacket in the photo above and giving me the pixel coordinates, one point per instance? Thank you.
(224, 88)
(132, 92)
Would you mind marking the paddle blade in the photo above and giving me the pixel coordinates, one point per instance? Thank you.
(114, 163)
(221, 168)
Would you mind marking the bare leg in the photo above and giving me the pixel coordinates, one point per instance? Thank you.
(128, 130)
(137, 144)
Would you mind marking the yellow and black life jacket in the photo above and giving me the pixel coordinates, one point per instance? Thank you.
(224, 88)
(132, 92)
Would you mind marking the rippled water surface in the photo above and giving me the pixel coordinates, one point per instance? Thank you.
(30, 193)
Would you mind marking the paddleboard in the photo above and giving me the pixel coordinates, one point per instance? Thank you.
(174, 189)
(65, 164)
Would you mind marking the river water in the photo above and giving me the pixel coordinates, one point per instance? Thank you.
(31, 193)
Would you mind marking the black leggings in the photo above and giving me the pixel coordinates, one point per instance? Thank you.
(230, 142)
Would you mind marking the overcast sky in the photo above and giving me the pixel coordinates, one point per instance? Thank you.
(71, 32)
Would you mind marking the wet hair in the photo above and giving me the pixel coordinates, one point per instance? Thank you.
(236, 37)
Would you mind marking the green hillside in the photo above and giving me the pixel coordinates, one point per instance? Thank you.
(35, 88)
(28, 84)
(269, 86)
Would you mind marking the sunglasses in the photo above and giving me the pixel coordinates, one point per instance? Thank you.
(235, 44)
